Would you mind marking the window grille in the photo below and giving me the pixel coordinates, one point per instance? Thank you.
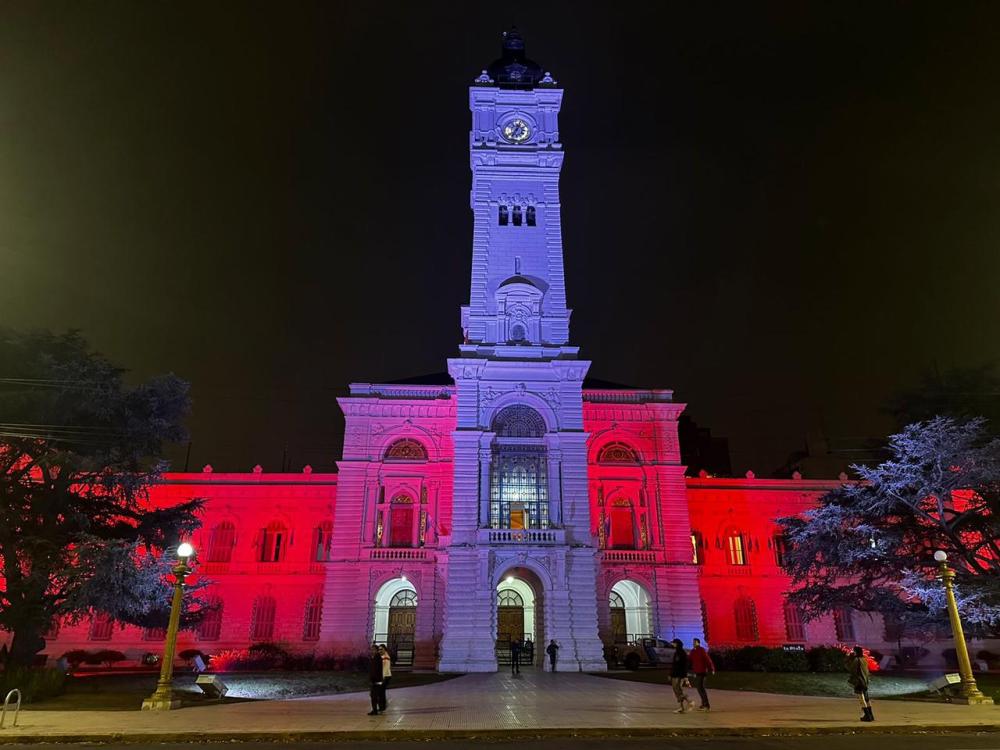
(210, 627)
(406, 449)
(519, 488)
(313, 618)
(795, 628)
(615, 600)
(221, 542)
(404, 599)
(617, 453)
(745, 614)
(519, 422)
(262, 619)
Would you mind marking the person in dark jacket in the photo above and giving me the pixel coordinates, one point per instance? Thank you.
(857, 678)
(375, 678)
(553, 651)
(515, 657)
(678, 674)
(702, 666)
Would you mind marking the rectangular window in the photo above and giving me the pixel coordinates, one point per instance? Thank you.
(101, 628)
(780, 549)
(401, 525)
(843, 623)
(519, 488)
(517, 216)
(696, 548)
(737, 552)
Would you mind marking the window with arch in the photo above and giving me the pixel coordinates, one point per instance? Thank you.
(622, 523)
(518, 333)
(262, 619)
(322, 538)
(509, 598)
(401, 518)
(615, 600)
(502, 216)
(519, 495)
(530, 216)
(697, 547)
(617, 453)
(736, 550)
(273, 542)
(745, 615)
(780, 546)
(405, 598)
(517, 216)
(843, 624)
(795, 626)
(210, 627)
(101, 627)
(406, 449)
(221, 542)
(312, 618)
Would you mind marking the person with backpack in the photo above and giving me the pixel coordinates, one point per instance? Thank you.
(858, 678)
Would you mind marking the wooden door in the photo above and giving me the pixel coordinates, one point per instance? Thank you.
(401, 525)
(619, 632)
(510, 624)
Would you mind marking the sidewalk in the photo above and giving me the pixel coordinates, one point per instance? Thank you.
(536, 703)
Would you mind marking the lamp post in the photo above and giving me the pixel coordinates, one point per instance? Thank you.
(969, 690)
(163, 698)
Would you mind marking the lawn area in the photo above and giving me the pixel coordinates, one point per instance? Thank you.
(125, 692)
(832, 684)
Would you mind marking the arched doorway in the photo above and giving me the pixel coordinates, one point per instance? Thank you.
(396, 619)
(517, 606)
(631, 614)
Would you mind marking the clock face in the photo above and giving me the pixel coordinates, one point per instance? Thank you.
(516, 131)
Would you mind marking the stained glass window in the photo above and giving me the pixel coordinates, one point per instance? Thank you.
(519, 495)
(406, 450)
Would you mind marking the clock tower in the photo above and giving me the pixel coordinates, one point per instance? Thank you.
(521, 513)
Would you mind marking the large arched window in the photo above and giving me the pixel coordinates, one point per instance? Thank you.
(221, 542)
(795, 627)
(273, 542)
(617, 453)
(509, 598)
(210, 626)
(519, 495)
(745, 614)
(406, 449)
(262, 619)
(312, 618)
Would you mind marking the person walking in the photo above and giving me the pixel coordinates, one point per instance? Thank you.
(552, 650)
(515, 657)
(702, 666)
(386, 676)
(375, 677)
(858, 678)
(678, 674)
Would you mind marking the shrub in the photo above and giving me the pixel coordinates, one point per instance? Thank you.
(76, 657)
(910, 656)
(779, 660)
(34, 684)
(989, 657)
(826, 659)
(108, 657)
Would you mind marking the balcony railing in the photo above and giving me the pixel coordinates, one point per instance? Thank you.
(522, 536)
(629, 556)
(398, 553)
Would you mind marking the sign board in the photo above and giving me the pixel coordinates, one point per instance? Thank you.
(944, 681)
(793, 647)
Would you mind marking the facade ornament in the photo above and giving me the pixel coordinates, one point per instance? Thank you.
(378, 530)
(423, 494)
(489, 395)
(553, 399)
(796, 475)
(602, 533)
(207, 469)
(423, 526)
(258, 469)
(520, 389)
(545, 80)
(307, 469)
(842, 476)
(643, 534)
(750, 475)
(483, 79)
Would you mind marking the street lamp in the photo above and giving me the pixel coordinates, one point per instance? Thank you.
(163, 698)
(969, 690)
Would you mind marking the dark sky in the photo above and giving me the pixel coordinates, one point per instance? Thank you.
(784, 211)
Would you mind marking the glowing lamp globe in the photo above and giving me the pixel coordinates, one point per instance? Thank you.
(185, 550)
(940, 555)
(510, 579)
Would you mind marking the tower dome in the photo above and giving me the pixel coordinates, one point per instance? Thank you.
(513, 70)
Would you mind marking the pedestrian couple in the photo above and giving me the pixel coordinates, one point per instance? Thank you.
(379, 674)
(697, 662)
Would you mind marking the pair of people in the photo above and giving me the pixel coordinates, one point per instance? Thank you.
(697, 662)
(379, 674)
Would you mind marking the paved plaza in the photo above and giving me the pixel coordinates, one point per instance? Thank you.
(498, 703)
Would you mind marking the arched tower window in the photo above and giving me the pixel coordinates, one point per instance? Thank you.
(617, 453)
(530, 216)
(517, 216)
(519, 497)
(262, 619)
(273, 542)
(312, 618)
(221, 543)
(406, 449)
(745, 615)
(502, 216)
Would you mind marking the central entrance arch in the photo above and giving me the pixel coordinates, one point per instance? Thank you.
(518, 619)
(396, 618)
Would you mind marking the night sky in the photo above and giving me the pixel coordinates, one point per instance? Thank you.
(783, 211)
